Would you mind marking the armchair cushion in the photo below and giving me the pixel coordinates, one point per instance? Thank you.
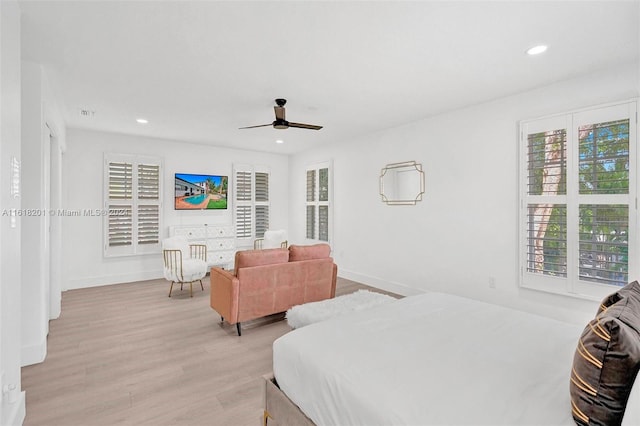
(192, 269)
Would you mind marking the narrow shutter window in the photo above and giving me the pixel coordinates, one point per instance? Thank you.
(261, 201)
(133, 200)
(252, 202)
(243, 194)
(318, 208)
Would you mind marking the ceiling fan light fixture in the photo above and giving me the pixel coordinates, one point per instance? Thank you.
(536, 50)
(279, 141)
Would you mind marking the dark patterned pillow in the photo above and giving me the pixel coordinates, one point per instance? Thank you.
(607, 360)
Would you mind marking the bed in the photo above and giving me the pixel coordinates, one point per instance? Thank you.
(430, 359)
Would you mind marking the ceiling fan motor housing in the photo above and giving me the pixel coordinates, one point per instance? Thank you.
(280, 124)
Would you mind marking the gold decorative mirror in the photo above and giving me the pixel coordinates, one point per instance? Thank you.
(402, 183)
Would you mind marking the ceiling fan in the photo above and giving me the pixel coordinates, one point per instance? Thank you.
(281, 123)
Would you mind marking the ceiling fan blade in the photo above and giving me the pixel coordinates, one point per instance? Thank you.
(305, 126)
(253, 127)
(279, 112)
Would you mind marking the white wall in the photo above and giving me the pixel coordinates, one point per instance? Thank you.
(12, 403)
(448, 242)
(35, 285)
(83, 264)
(40, 288)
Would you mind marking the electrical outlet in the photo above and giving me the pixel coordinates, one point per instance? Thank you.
(492, 282)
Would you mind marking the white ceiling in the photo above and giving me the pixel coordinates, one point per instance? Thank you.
(199, 70)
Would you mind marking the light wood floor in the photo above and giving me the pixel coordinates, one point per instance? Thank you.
(127, 354)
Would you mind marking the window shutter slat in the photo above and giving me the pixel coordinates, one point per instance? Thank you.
(604, 158)
(547, 163)
(243, 186)
(262, 187)
(311, 221)
(120, 181)
(604, 243)
(120, 225)
(311, 185)
(262, 220)
(547, 239)
(323, 187)
(148, 224)
(243, 221)
(323, 223)
(148, 181)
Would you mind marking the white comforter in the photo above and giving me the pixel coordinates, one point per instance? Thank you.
(432, 359)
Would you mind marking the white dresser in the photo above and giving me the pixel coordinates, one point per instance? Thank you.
(219, 239)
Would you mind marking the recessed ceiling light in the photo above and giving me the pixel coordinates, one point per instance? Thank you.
(536, 50)
(142, 120)
(279, 141)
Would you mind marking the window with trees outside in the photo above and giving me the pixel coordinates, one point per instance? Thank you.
(578, 213)
(132, 204)
(318, 202)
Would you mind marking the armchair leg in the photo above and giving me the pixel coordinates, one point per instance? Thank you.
(191, 289)
(239, 329)
(201, 286)
(170, 288)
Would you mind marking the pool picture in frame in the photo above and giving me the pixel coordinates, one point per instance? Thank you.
(200, 192)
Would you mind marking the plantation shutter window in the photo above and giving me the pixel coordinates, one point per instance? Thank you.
(578, 215)
(252, 201)
(132, 205)
(318, 202)
(262, 203)
(243, 204)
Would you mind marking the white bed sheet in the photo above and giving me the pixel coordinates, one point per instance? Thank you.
(432, 359)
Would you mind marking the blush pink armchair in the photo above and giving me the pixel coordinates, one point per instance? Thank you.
(270, 281)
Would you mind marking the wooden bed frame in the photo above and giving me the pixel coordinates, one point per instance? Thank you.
(279, 410)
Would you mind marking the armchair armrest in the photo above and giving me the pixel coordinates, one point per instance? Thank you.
(224, 294)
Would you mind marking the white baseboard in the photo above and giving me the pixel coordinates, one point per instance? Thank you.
(391, 286)
(33, 354)
(14, 414)
(100, 280)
